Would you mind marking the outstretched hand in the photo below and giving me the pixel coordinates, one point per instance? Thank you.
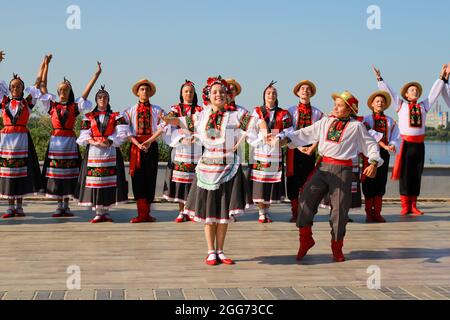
(99, 68)
(376, 72)
(2, 56)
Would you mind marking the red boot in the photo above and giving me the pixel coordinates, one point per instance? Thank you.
(143, 212)
(306, 242)
(378, 206)
(294, 209)
(414, 209)
(406, 206)
(9, 214)
(369, 203)
(336, 247)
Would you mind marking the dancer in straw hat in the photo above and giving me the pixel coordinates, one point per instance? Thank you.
(412, 116)
(375, 188)
(300, 162)
(146, 127)
(340, 138)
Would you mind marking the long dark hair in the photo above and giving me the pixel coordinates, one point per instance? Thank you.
(102, 90)
(195, 99)
(271, 85)
(16, 77)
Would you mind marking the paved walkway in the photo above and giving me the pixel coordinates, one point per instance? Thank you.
(164, 260)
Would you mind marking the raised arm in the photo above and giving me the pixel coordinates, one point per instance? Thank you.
(2, 56)
(44, 74)
(92, 81)
(382, 85)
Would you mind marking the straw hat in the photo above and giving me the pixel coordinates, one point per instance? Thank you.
(410, 84)
(144, 82)
(386, 95)
(349, 99)
(305, 82)
(236, 85)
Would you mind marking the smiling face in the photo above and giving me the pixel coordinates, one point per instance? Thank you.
(341, 109)
(412, 93)
(305, 92)
(102, 101)
(188, 94)
(271, 96)
(378, 104)
(144, 93)
(218, 96)
(16, 88)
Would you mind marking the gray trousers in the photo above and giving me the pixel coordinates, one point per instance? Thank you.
(337, 181)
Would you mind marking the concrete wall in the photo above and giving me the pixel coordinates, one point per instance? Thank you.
(435, 182)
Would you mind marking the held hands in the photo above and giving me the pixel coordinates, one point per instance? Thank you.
(100, 144)
(271, 140)
(307, 150)
(187, 141)
(371, 171)
(390, 148)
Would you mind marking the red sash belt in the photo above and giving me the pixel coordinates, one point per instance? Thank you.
(396, 172)
(63, 133)
(347, 163)
(14, 129)
(135, 154)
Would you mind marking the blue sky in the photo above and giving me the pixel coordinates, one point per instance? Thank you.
(255, 42)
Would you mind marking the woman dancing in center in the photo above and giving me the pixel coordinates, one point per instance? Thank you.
(218, 191)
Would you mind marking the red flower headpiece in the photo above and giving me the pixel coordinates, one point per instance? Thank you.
(212, 81)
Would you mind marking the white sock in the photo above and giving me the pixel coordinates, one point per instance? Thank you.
(211, 256)
(262, 212)
(221, 255)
